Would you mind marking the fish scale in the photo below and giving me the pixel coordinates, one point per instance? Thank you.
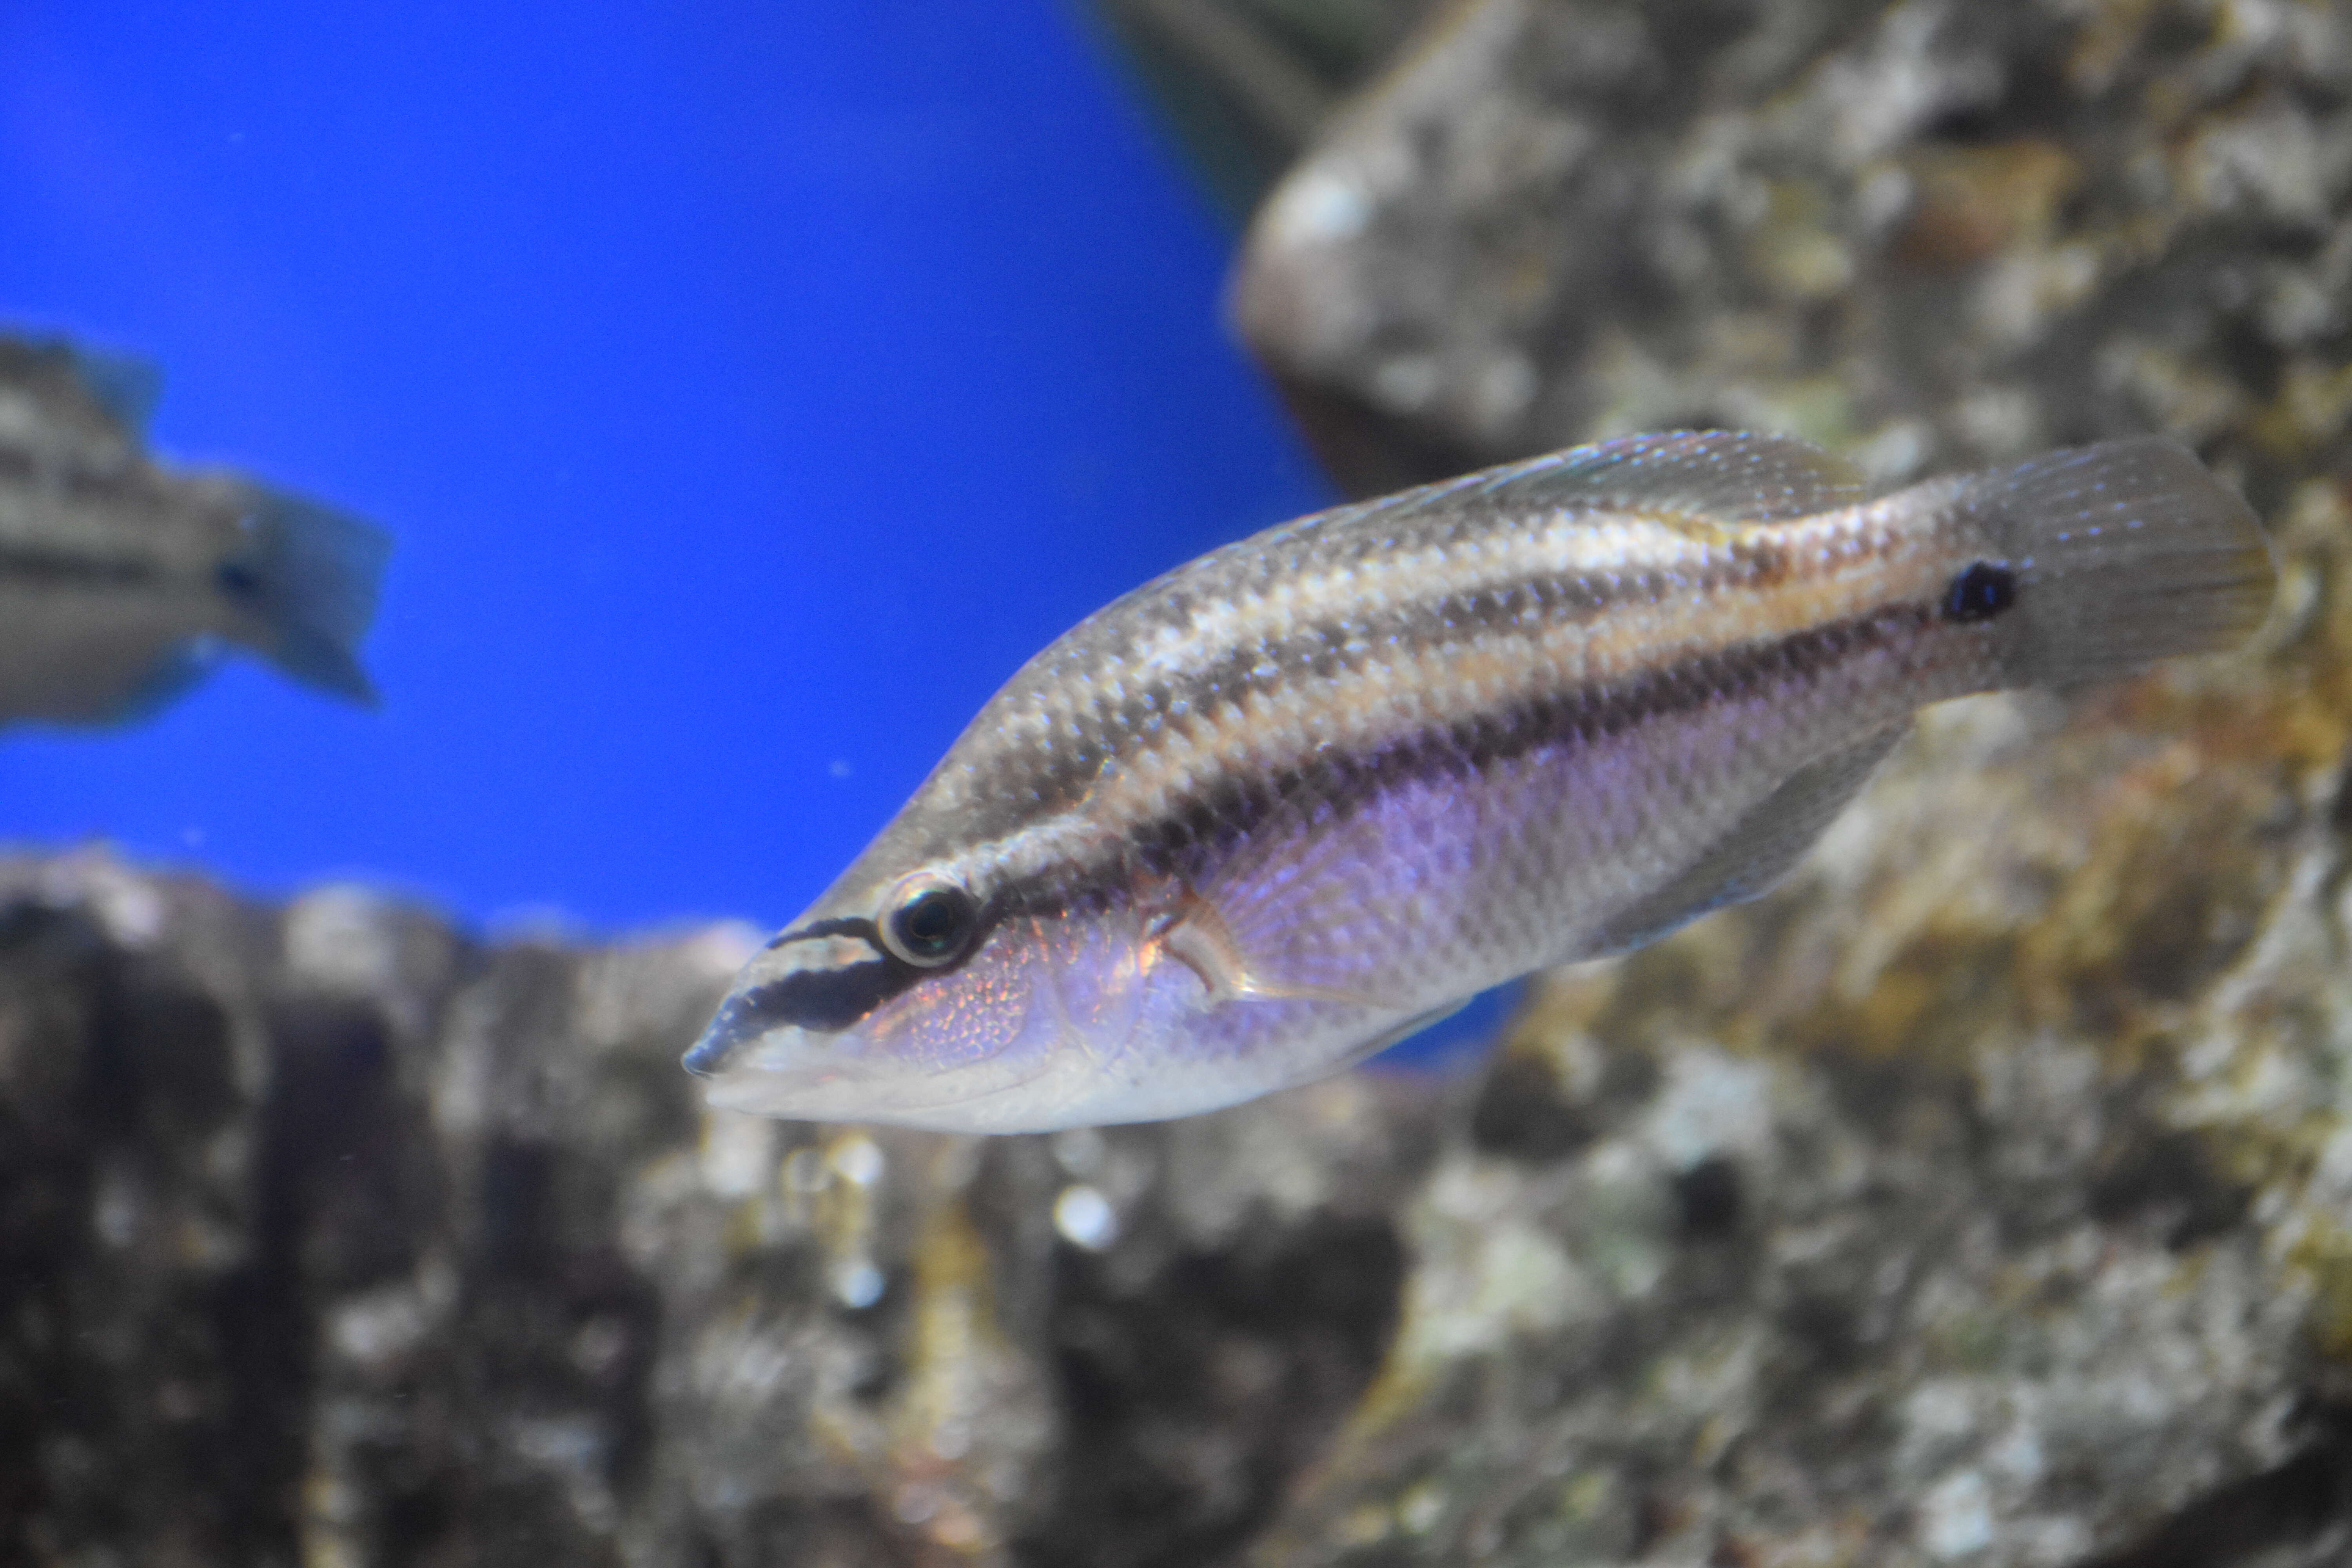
(1284, 803)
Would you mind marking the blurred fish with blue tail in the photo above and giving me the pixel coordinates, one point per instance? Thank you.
(1293, 801)
(121, 584)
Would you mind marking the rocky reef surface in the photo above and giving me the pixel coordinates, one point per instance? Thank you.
(1984, 1196)
(1929, 233)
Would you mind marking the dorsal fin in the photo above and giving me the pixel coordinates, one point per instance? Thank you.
(1729, 475)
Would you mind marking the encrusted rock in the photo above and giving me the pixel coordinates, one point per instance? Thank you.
(1930, 234)
(332, 1237)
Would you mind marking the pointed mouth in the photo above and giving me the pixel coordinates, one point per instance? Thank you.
(746, 1040)
(754, 1063)
(726, 1033)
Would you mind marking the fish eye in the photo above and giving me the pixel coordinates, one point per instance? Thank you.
(929, 921)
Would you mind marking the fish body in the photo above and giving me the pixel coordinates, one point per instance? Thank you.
(1284, 805)
(120, 582)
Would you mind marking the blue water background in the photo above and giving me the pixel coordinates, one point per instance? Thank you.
(750, 388)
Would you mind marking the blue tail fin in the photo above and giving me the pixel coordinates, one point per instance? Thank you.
(310, 575)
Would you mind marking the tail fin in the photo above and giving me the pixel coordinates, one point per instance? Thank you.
(310, 575)
(2122, 554)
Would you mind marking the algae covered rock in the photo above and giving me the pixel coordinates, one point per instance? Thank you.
(1933, 235)
(333, 1237)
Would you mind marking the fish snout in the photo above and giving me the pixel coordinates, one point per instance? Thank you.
(755, 1062)
(728, 1035)
(747, 1045)
(791, 1006)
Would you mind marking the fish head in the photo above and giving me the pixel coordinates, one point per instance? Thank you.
(928, 999)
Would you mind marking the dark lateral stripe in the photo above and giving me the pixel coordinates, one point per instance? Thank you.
(1184, 845)
(863, 930)
(829, 999)
(58, 566)
(71, 478)
(1019, 786)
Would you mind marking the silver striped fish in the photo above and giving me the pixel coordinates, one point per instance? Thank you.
(1291, 801)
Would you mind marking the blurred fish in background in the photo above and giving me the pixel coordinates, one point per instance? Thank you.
(122, 584)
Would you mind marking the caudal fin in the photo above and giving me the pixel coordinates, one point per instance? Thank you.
(308, 575)
(2112, 557)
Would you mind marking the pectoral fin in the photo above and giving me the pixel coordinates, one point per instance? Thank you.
(1197, 937)
(1759, 850)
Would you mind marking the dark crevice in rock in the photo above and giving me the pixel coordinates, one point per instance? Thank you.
(2236, 1524)
(2339, 811)
(46, 1389)
(1189, 1405)
(1366, 451)
(321, 1129)
(2171, 1175)
(1708, 1199)
(1520, 1112)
